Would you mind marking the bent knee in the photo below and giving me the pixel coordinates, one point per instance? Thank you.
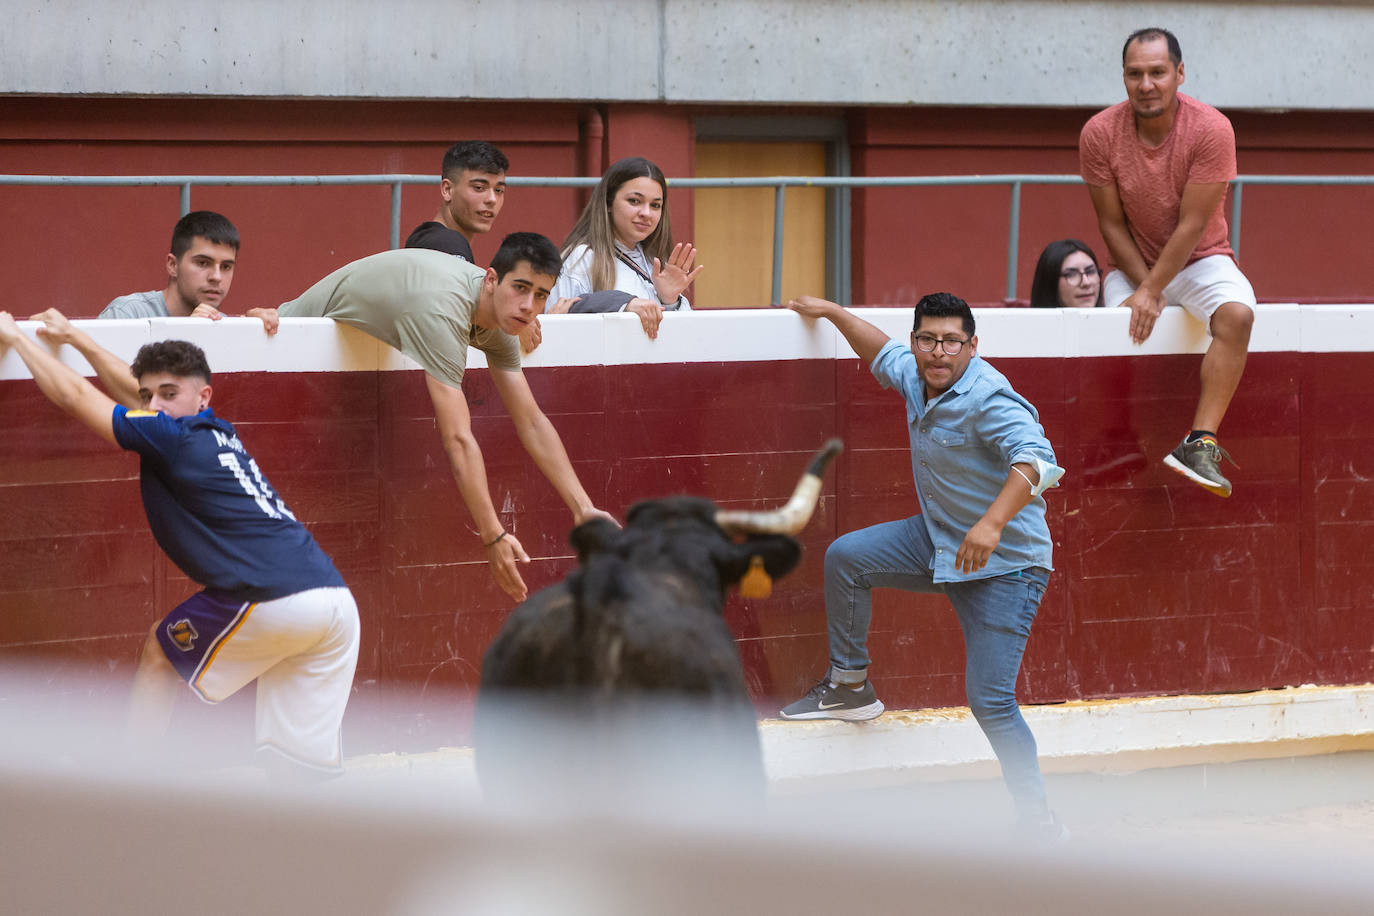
(1232, 322)
(840, 551)
(993, 708)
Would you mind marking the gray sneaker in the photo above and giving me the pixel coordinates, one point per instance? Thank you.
(834, 701)
(1198, 461)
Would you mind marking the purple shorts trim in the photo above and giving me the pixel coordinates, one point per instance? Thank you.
(192, 631)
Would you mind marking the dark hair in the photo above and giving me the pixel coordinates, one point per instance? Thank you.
(1045, 286)
(1150, 34)
(205, 224)
(175, 357)
(473, 155)
(943, 305)
(531, 247)
(595, 229)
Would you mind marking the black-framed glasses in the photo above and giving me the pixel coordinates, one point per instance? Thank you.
(1076, 276)
(951, 345)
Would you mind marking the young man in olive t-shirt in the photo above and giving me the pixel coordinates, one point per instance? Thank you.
(431, 306)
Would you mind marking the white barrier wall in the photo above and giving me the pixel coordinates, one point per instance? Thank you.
(319, 345)
(978, 52)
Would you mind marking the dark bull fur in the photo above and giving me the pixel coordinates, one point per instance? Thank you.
(625, 678)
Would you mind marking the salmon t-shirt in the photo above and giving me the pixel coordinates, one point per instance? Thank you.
(1201, 149)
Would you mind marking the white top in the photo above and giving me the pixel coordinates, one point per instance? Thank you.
(575, 279)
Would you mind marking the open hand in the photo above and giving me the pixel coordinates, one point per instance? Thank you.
(593, 512)
(672, 278)
(562, 306)
(812, 306)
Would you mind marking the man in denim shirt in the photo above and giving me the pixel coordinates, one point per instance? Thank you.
(981, 462)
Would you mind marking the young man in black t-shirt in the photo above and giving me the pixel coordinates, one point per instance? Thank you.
(472, 188)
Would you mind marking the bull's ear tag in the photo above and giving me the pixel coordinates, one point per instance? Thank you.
(756, 583)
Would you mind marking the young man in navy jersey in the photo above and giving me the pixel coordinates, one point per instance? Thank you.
(273, 607)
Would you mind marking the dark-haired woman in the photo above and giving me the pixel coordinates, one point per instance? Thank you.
(1066, 276)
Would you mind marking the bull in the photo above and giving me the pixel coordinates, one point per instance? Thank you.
(624, 679)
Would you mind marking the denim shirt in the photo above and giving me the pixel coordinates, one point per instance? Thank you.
(963, 444)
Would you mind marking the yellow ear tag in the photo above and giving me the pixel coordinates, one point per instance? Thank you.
(756, 583)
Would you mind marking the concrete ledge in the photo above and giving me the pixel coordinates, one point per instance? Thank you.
(722, 336)
(1082, 736)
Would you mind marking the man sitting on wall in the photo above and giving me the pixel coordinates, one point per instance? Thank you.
(200, 270)
(1157, 166)
(431, 306)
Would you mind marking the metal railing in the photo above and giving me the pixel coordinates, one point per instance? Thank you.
(779, 183)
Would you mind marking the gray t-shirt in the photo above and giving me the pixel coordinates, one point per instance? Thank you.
(417, 300)
(137, 305)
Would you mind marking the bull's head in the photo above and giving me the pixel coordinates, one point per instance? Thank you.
(700, 545)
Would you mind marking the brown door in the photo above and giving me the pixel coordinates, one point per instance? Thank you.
(734, 226)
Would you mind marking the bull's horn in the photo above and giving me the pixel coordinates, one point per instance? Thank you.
(793, 516)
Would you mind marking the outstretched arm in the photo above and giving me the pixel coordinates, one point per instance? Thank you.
(470, 473)
(112, 371)
(542, 441)
(864, 338)
(69, 391)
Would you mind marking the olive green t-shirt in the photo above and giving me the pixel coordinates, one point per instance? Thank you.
(419, 301)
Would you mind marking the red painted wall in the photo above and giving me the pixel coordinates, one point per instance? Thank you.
(1159, 587)
(82, 247)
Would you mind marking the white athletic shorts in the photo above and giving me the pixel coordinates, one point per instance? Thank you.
(302, 649)
(1201, 287)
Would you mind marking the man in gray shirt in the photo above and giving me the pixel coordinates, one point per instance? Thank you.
(200, 269)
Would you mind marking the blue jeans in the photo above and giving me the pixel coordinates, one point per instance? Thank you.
(995, 615)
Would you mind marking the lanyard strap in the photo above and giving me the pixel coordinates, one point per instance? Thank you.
(635, 267)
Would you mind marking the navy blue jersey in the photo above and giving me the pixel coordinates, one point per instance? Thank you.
(213, 511)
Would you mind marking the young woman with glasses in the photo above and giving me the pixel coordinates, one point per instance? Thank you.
(1066, 276)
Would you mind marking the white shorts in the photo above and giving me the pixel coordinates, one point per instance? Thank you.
(302, 649)
(1201, 287)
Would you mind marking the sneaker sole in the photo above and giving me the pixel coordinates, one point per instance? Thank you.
(871, 711)
(1196, 478)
